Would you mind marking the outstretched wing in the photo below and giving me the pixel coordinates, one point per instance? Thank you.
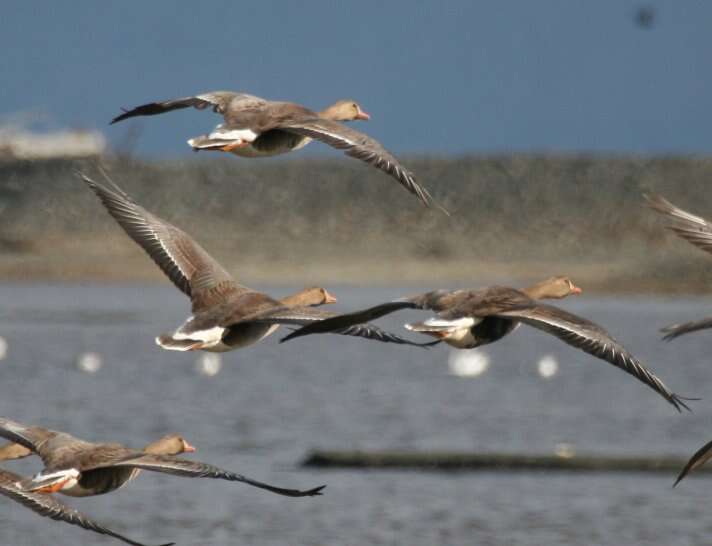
(592, 339)
(360, 146)
(47, 506)
(693, 229)
(348, 320)
(308, 315)
(27, 436)
(675, 330)
(700, 457)
(217, 100)
(191, 269)
(193, 469)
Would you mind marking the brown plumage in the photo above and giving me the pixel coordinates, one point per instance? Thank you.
(78, 468)
(471, 318)
(226, 314)
(255, 127)
(47, 506)
(697, 231)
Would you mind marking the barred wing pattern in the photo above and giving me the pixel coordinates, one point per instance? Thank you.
(47, 506)
(592, 339)
(360, 146)
(194, 469)
(218, 100)
(185, 262)
(693, 229)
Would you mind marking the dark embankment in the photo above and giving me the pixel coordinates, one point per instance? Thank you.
(505, 462)
(514, 217)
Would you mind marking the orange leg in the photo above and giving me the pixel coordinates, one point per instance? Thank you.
(237, 144)
(54, 487)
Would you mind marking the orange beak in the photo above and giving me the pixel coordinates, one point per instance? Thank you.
(362, 115)
(187, 448)
(575, 289)
(328, 298)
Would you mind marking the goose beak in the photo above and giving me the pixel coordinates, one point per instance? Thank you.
(328, 298)
(187, 448)
(362, 115)
(575, 290)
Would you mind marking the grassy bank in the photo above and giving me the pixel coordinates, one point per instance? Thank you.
(514, 217)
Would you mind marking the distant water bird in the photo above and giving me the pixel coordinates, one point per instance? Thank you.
(471, 318)
(564, 450)
(547, 366)
(256, 127)
(226, 315)
(44, 504)
(470, 363)
(78, 468)
(700, 457)
(209, 364)
(89, 362)
(695, 230)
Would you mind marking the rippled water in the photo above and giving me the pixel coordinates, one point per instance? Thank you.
(270, 404)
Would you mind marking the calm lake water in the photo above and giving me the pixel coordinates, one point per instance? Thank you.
(272, 403)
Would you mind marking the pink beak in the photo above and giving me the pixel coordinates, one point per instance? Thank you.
(362, 115)
(187, 448)
(576, 290)
(328, 298)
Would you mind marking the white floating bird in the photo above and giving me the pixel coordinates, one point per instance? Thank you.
(89, 362)
(548, 366)
(208, 364)
(468, 363)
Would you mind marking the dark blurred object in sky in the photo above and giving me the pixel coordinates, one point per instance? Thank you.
(645, 17)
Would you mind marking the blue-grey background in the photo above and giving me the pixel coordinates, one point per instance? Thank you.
(272, 403)
(437, 77)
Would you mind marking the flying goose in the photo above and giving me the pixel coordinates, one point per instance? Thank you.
(78, 468)
(44, 504)
(470, 318)
(256, 127)
(695, 230)
(226, 314)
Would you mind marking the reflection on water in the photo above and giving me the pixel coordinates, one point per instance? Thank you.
(272, 403)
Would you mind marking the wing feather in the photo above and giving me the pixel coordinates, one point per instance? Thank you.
(359, 146)
(194, 469)
(692, 228)
(592, 339)
(218, 100)
(191, 269)
(675, 330)
(48, 506)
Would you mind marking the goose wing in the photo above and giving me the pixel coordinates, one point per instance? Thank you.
(191, 269)
(194, 469)
(360, 146)
(217, 100)
(30, 437)
(47, 506)
(700, 457)
(592, 339)
(693, 229)
(676, 330)
(301, 316)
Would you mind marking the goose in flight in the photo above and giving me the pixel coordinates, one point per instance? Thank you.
(695, 230)
(226, 315)
(471, 318)
(79, 468)
(46, 505)
(256, 127)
